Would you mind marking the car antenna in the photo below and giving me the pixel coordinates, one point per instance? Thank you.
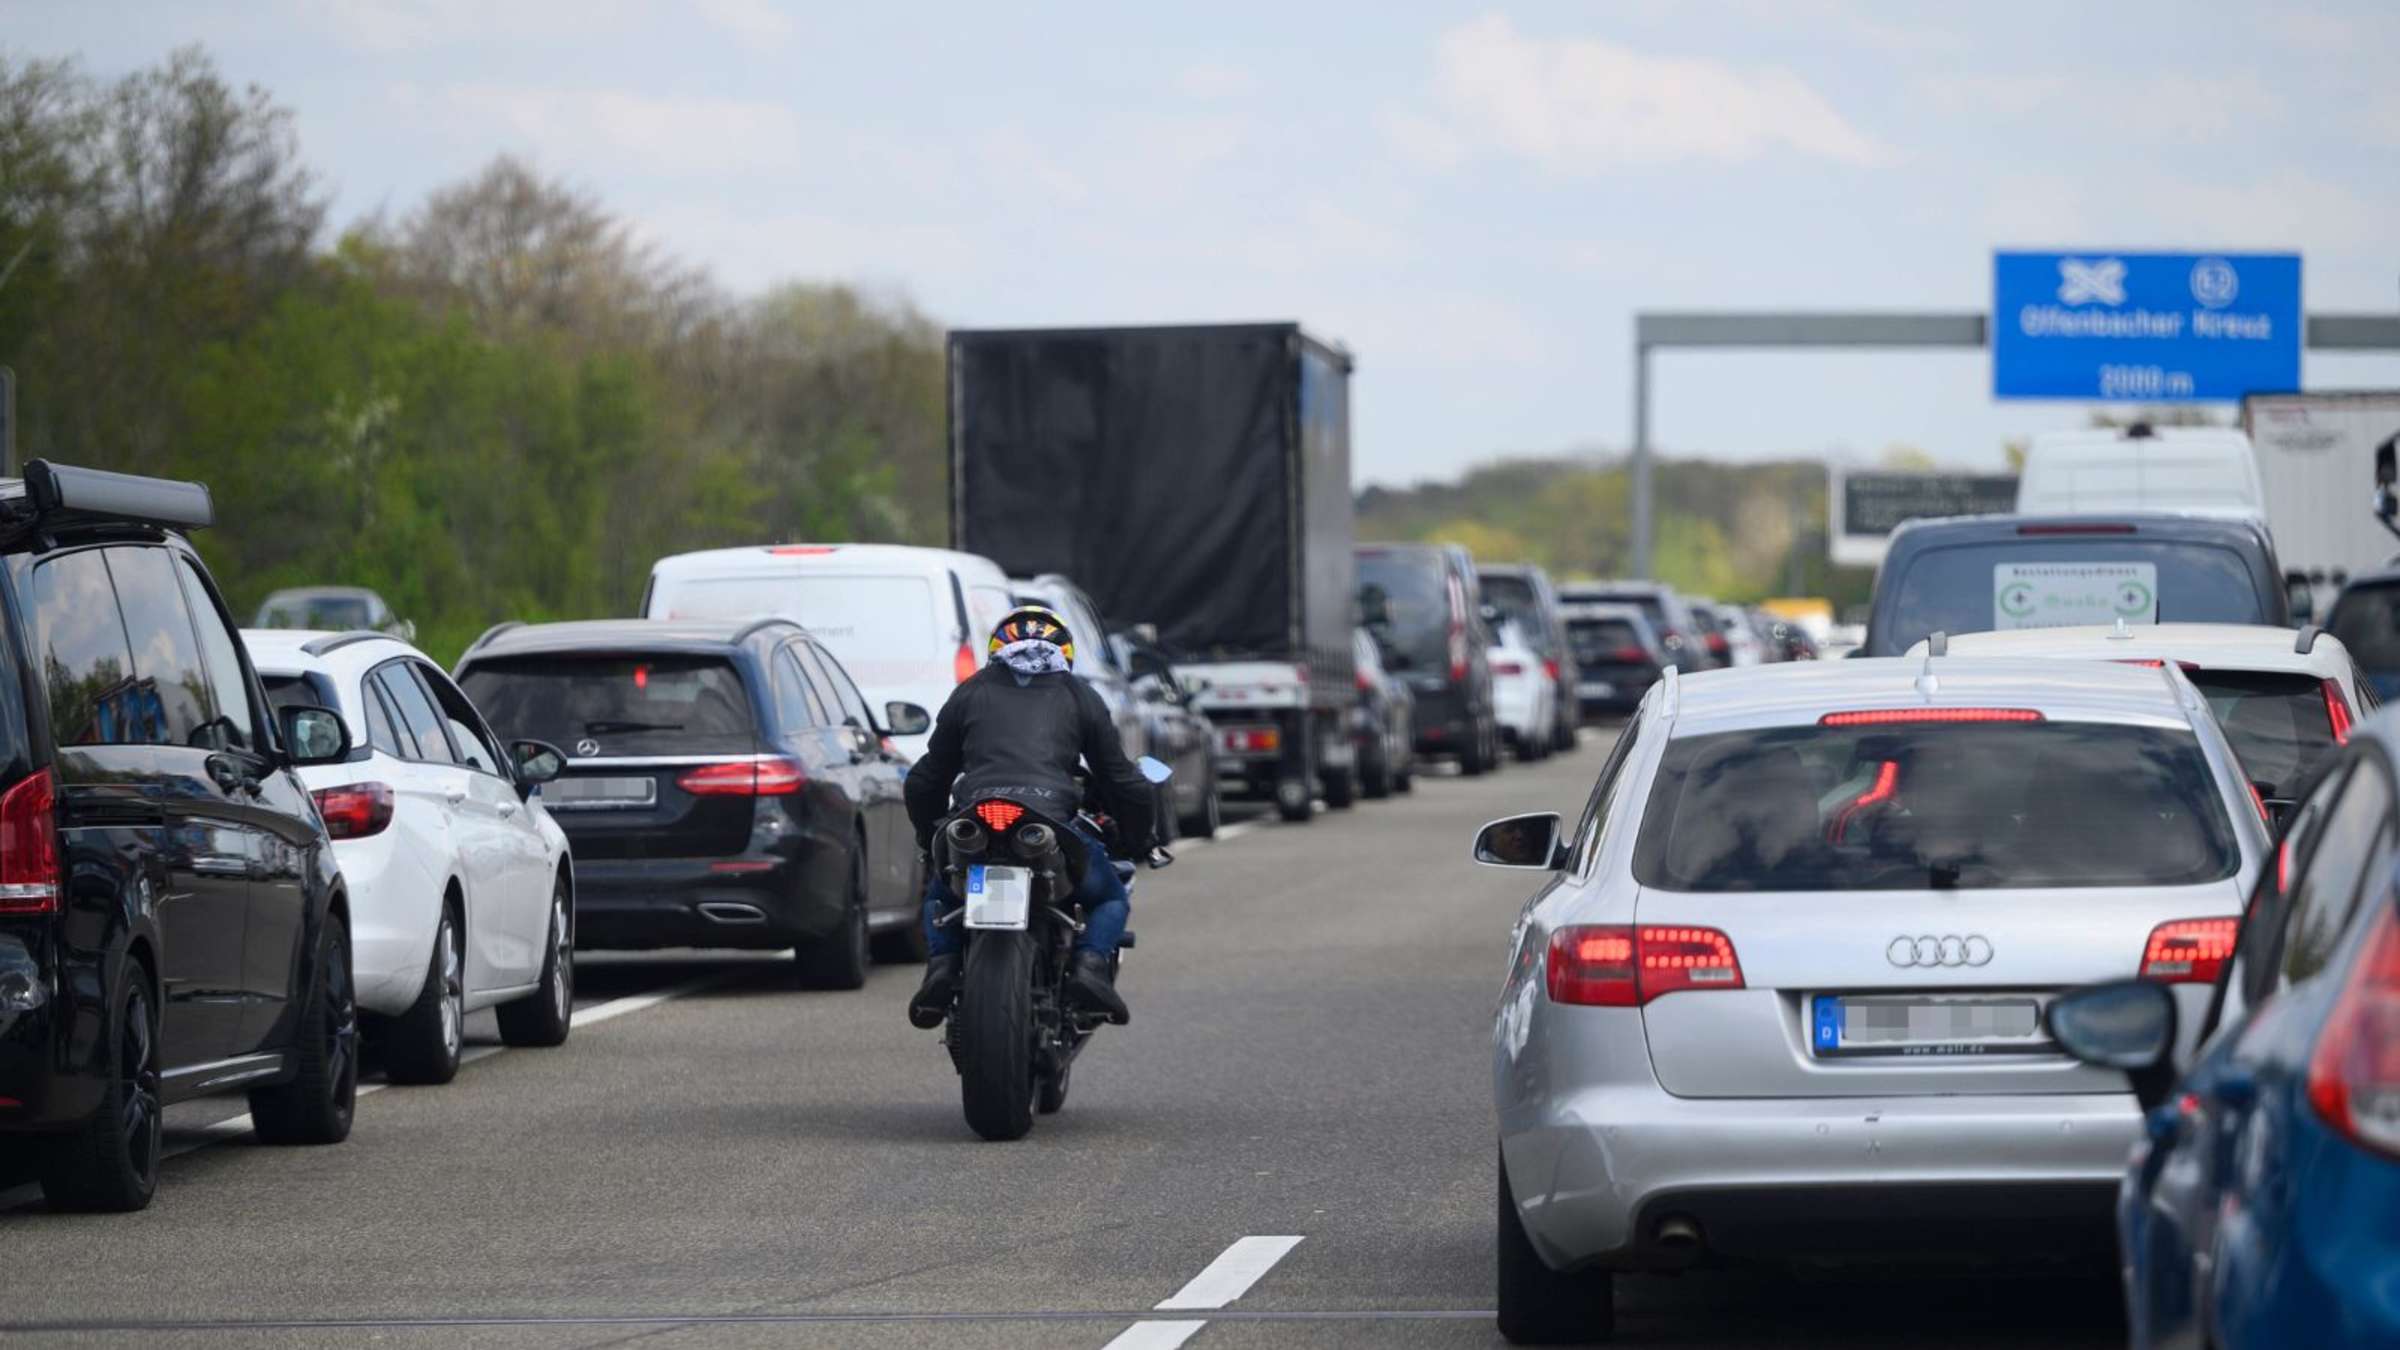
(1938, 644)
(2123, 632)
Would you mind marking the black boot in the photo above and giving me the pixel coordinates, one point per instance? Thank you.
(1091, 985)
(931, 1005)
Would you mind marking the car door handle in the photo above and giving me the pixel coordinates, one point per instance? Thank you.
(454, 796)
(506, 809)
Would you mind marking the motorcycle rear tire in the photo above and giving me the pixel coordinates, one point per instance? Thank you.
(994, 1022)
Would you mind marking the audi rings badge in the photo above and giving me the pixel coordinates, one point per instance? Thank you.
(1948, 949)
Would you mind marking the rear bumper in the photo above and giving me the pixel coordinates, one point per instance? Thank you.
(1519, 706)
(50, 1051)
(395, 904)
(696, 902)
(1598, 1172)
(1445, 721)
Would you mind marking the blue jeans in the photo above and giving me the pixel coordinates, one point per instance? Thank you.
(1106, 906)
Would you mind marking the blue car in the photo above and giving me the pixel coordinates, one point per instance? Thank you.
(2262, 1207)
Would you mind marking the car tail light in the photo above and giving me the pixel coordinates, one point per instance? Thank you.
(2155, 663)
(1252, 740)
(355, 810)
(1887, 778)
(752, 778)
(1631, 656)
(963, 665)
(2080, 527)
(1885, 717)
(1507, 668)
(1626, 966)
(2337, 711)
(1365, 685)
(2354, 1074)
(1550, 667)
(998, 815)
(2189, 951)
(1717, 645)
(29, 846)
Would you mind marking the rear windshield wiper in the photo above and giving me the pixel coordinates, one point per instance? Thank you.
(607, 728)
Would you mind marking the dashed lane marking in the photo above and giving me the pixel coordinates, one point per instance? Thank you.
(1227, 1278)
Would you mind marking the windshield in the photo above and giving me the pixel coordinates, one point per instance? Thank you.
(1412, 593)
(1601, 642)
(886, 630)
(1936, 806)
(2367, 620)
(616, 705)
(2052, 582)
(2278, 723)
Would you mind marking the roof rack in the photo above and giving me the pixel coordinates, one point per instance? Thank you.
(1669, 692)
(2306, 640)
(63, 494)
(334, 642)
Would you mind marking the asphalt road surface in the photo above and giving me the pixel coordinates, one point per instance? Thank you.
(1290, 1146)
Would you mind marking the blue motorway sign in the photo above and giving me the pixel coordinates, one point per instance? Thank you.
(2145, 327)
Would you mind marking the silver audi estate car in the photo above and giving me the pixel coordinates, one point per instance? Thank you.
(1783, 996)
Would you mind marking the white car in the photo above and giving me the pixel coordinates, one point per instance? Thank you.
(1524, 696)
(2210, 471)
(907, 623)
(461, 887)
(2287, 701)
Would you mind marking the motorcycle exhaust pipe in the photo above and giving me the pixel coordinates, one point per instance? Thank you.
(966, 838)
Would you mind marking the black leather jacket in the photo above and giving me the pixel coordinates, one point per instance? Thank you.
(999, 738)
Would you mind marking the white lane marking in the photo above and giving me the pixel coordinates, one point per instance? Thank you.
(633, 1003)
(1155, 1335)
(1227, 1278)
(1231, 1274)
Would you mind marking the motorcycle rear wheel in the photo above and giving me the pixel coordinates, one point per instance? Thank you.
(994, 1022)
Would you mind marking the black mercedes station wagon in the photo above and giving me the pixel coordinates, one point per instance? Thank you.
(171, 919)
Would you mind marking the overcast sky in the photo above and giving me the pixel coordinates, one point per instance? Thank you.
(1476, 199)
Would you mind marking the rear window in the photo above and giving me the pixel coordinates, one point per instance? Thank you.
(334, 612)
(1652, 608)
(886, 629)
(300, 691)
(1600, 642)
(2278, 723)
(2057, 581)
(1412, 590)
(1936, 806)
(2367, 620)
(622, 705)
(1518, 603)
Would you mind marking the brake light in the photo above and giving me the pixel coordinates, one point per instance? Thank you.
(1717, 646)
(2259, 800)
(2091, 527)
(1365, 685)
(29, 846)
(1550, 667)
(2155, 663)
(2189, 951)
(1631, 656)
(1258, 740)
(962, 666)
(800, 550)
(1624, 966)
(355, 810)
(641, 677)
(1887, 778)
(1886, 717)
(2354, 1074)
(1507, 668)
(2337, 711)
(750, 778)
(998, 815)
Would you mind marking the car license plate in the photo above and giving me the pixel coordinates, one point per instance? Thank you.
(1899, 1024)
(579, 793)
(998, 897)
(1596, 689)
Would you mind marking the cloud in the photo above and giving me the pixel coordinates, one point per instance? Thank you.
(2166, 106)
(1578, 105)
(2290, 208)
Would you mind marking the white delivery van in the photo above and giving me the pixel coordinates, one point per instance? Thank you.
(907, 623)
(2202, 470)
(2317, 453)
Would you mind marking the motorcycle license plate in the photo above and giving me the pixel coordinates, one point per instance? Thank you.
(998, 897)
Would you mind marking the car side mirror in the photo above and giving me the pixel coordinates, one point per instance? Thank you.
(2300, 596)
(906, 719)
(314, 735)
(1530, 841)
(2127, 1025)
(538, 762)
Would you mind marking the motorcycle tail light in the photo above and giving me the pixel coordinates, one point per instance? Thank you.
(2189, 951)
(998, 815)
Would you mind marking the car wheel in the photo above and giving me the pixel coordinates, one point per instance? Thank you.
(838, 960)
(1541, 1306)
(1163, 813)
(1472, 760)
(110, 1161)
(1341, 789)
(316, 1106)
(1203, 823)
(422, 1044)
(544, 1016)
(1375, 770)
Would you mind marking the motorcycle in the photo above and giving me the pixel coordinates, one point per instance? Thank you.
(1011, 1034)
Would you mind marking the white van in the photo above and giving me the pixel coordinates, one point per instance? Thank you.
(907, 623)
(2209, 471)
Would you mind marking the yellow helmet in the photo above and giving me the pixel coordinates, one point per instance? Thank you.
(1032, 623)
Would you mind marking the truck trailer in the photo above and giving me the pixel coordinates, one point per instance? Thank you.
(2316, 457)
(1195, 480)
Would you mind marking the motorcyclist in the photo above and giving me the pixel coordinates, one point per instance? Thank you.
(1016, 730)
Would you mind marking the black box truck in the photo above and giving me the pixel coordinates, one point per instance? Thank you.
(1196, 480)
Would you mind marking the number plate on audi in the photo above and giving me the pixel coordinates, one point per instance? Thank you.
(1847, 1025)
(998, 897)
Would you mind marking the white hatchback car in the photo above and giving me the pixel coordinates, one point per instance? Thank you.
(1782, 996)
(461, 888)
(2286, 700)
(1524, 696)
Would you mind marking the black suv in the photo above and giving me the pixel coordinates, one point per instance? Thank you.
(1421, 603)
(171, 919)
(728, 786)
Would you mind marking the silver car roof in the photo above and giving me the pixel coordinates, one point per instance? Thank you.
(1799, 692)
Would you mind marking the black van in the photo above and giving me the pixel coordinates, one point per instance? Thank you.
(1975, 574)
(1420, 601)
(171, 919)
